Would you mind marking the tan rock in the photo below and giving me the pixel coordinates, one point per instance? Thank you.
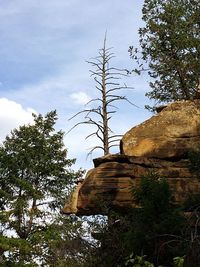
(110, 183)
(159, 145)
(171, 133)
(71, 206)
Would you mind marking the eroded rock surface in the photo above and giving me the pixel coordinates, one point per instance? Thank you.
(168, 134)
(160, 144)
(109, 184)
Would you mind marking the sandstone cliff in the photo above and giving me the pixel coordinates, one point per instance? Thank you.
(159, 144)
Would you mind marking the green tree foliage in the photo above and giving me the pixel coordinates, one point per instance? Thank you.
(154, 229)
(194, 158)
(158, 233)
(159, 225)
(64, 244)
(111, 250)
(170, 48)
(35, 178)
(138, 261)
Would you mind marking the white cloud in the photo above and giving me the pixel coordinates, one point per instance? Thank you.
(80, 98)
(12, 115)
(44, 45)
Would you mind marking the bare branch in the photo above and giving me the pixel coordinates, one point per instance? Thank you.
(117, 73)
(122, 70)
(120, 88)
(112, 78)
(97, 81)
(77, 124)
(99, 126)
(106, 80)
(95, 133)
(95, 64)
(114, 145)
(97, 111)
(116, 135)
(84, 111)
(121, 98)
(95, 73)
(94, 148)
(112, 83)
(115, 99)
(111, 112)
(92, 100)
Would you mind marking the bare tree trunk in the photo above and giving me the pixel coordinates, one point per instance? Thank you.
(104, 102)
(108, 85)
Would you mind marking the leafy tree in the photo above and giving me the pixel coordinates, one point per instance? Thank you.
(194, 157)
(64, 243)
(138, 261)
(35, 178)
(108, 86)
(159, 225)
(154, 229)
(170, 48)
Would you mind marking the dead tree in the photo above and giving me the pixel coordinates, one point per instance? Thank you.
(108, 87)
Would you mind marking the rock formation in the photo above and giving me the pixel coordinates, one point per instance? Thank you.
(168, 134)
(159, 144)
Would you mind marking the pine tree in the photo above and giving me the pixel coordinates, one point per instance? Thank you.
(170, 48)
(35, 179)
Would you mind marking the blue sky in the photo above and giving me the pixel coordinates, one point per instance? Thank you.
(43, 51)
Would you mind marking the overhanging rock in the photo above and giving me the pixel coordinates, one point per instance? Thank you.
(160, 144)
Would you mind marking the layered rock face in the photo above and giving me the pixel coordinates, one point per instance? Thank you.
(160, 145)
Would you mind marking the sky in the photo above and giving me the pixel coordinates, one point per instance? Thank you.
(43, 52)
